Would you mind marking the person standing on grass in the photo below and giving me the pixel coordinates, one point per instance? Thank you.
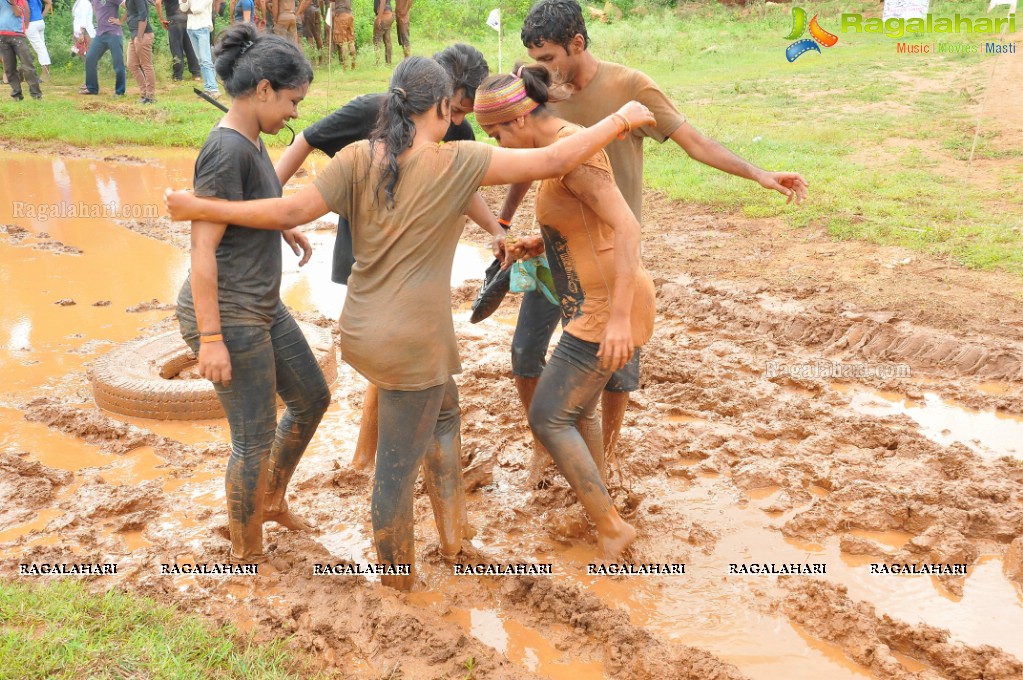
(402, 8)
(140, 49)
(229, 308)
(36, 32)
(199, 26)
(353, 122)
(554, 33)
(175, 22)
(312, 30)
(405, 194)
(14, 48)
(382, 22)
(286, 13)
(343, 27)
(83, 27)
(109, 37)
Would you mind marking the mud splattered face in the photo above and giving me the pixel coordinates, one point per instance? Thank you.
(277, 107)
(559, 61)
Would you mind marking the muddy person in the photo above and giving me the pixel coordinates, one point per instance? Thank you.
(554, 34)
(607, 299)
(353, 122)
(311, 29)
(404, 193)
(286, 15)
(402, 9)
(343, 30)
(229, 308)
(382, 22)
(14, 49)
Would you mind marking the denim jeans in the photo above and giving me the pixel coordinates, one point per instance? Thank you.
(533, 332)
(265, 362)
(417, 425)
(200, 39)
(100, 44)
(563, 417)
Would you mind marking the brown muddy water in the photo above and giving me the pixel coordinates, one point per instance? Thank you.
(73, 287)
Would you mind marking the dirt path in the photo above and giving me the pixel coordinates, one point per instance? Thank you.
(740, 448)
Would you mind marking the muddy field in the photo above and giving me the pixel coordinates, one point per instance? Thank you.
(803, 401)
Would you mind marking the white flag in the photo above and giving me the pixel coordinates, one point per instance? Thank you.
(328, 19)
(494, 20)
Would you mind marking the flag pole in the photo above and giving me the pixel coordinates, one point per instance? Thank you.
(500, 28)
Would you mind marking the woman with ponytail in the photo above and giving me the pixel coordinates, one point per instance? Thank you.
(607, 298)
(405, 195)
(229, 308)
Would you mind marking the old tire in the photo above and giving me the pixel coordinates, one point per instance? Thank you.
(136, 378)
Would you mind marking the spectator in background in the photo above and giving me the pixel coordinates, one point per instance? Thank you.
(382, 28)
(312, 30)
(174, 21)
(343, 27)
(14, 48)
(198, 26)
(109, 36)
(36, 31)
(83, 27)
(140, 49)
(286, 19)
(242, 10)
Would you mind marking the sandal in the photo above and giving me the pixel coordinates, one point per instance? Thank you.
(84, 90)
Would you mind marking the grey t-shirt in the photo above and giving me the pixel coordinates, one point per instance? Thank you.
(248, 260)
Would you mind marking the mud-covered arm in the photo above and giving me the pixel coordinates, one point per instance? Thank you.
(214, 360)
(511, 166)
(597, 189)
(266, 213)
(479, 212)
(513, 199)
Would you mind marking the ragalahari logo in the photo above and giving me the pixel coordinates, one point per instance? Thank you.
(818, 36)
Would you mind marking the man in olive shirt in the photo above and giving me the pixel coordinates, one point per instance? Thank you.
(554, 33)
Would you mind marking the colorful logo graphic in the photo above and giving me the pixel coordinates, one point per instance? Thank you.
(817, 35)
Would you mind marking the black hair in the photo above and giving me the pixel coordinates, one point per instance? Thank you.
(536, 79)
(554, 21)
(417, 84)
(466, 65)
(245, 56)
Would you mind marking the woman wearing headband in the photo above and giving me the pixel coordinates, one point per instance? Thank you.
(405, 195)
(229, 308)
(607, 298)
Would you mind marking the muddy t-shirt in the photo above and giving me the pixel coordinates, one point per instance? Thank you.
(396, 326)
(580, 250)
(342, 7)
(248, 260)
(612, 87)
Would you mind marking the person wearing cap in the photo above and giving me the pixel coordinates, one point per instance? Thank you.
(591, 238)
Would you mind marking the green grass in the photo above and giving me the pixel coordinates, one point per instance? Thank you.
(60, 630)
(832, 116)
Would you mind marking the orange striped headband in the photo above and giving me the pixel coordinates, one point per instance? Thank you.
(504, 104)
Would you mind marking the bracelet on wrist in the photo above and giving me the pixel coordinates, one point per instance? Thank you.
(504, 223)
(211, 337)
(626, 125)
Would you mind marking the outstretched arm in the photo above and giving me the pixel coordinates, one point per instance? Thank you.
(266, 213)
(710, 152)
(511, 166)
(598, 190)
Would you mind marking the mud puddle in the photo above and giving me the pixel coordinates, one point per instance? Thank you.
(990, 433)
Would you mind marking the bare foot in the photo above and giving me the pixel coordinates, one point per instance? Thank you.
(612, 545)
(289, 520)
(538, 465)
(363, 460)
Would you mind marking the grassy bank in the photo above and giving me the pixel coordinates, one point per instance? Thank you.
(882, 137)
(60, 630)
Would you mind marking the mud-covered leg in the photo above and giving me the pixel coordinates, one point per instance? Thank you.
(306, 396)
(408, 421)
(366, 446)
(442, 470)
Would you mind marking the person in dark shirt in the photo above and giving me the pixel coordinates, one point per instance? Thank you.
(140, 49)
(230, 310)
(174, 21)
(353, 122)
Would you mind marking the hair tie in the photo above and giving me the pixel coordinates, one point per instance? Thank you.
(518, 72)
(246, 45)
(400, 92)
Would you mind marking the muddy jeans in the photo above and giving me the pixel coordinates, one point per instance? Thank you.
(14, 49)
(382, 31)
(564, 419)
(414, 426)
(401, 14)
(264, 453)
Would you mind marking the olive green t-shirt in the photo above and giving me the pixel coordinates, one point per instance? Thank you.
(612, 87)
(396, 326)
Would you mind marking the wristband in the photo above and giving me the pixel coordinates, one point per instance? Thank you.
(504, 223)
(625, 122)
(215, 337)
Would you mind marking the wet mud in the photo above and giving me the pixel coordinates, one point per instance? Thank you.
(745, 445)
